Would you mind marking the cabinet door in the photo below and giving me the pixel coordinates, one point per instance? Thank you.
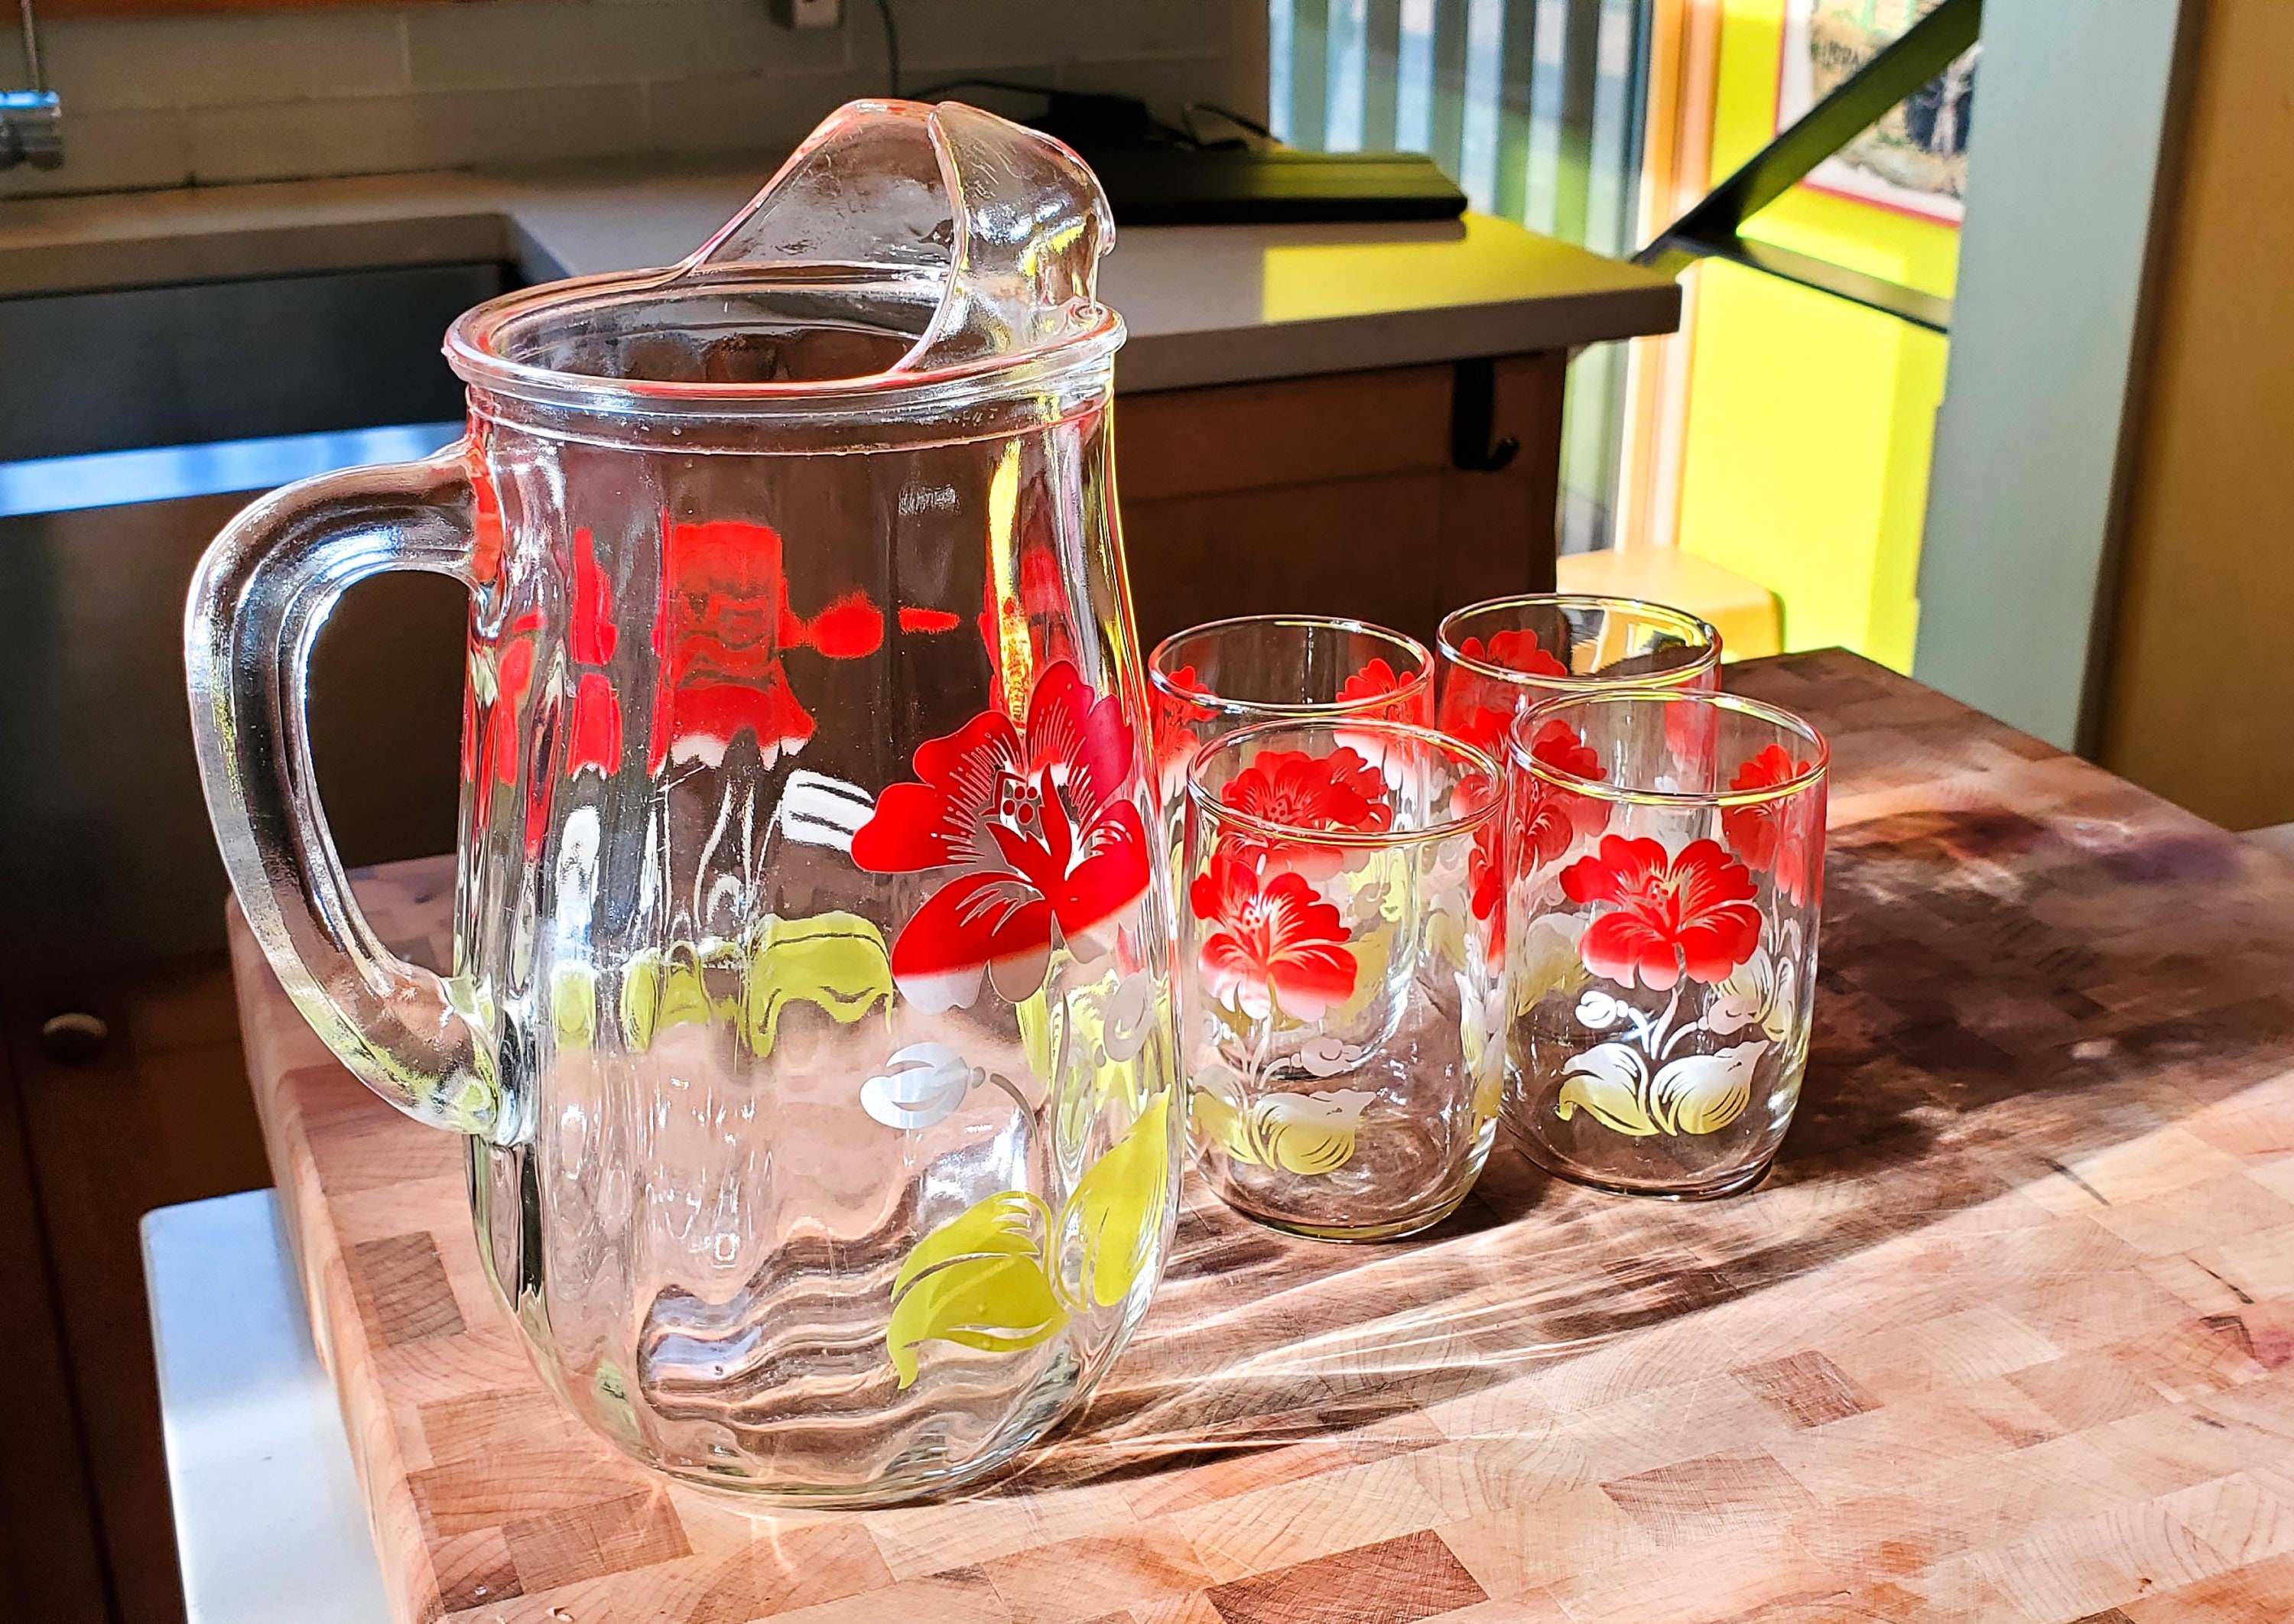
(1336, 495)
(159, 1112)
(49, 1562)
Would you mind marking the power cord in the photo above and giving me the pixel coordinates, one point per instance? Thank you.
(891, 46)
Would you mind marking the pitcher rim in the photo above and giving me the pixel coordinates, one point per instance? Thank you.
(473, 352)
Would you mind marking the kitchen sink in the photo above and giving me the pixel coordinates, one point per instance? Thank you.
(106, 855)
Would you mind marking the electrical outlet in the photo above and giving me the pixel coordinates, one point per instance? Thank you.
(808, 14)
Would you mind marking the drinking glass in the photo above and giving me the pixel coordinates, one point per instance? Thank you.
(1500, 658)
(1341, 974)
(1210, 679)
(1665, 855)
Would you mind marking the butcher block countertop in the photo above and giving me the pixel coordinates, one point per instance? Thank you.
(2007, 1337)
(1204, 304)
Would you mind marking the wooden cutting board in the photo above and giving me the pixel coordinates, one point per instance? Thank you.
(2007, 1337)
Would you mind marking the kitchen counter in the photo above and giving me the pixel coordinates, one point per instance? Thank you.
(1205, 304)
(2008, 1336)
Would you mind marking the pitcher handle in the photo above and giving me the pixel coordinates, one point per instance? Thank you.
(262, 593)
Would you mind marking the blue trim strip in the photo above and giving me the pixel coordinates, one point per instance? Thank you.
(111, 479)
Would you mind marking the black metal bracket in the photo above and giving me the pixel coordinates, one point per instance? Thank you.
(1473, 418)
(1714, 228)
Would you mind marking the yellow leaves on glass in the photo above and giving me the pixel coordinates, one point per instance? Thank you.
(1301, 1133)
(1007, 1273)
(834, 960)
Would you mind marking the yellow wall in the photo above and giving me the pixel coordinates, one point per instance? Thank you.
(1809, 419)
(2199, 704)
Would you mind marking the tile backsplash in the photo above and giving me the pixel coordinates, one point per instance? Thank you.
(248, 95)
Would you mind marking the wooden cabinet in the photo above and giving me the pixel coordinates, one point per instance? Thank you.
(157, 1112)
(1338, 495)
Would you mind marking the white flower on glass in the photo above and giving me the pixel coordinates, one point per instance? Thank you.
(1127, 1016)
(1763, 990)
(1329, 1057)
(1597, 1012)
(923, 1084)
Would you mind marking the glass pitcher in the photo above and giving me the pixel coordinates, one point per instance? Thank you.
(808, 1018)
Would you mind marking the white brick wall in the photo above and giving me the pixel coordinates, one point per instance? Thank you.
(275, 95)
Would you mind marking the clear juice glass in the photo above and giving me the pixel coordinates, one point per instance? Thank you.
(1343, 1006)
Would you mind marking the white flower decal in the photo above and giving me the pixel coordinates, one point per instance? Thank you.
(1329, 1057)
(1762, 989)
(1597, 1012)
(1128, 1016)
(923, 1084)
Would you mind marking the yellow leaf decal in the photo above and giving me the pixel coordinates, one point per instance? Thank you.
(1117, 1208)
(1040, 1031)
(660, 990)
(997, 1305)
(1309, 1134)
(1546, 960)
(984, 1279)
(1703, 1093)
(978, 1280)
(1010, 1224)
(833, 960)
(1607, 1080)
(1222, 1124)
(573, 1005)
(1370, 955)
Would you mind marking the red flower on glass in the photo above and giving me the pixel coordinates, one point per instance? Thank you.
(1372, 680)
(1174, 728)
(722, 628)
(1340, 793)
(1514, 650)
(1548, 820)
(1691, 915)
(1273, 943)
(1772, 835)
(1483, 727)
(1033, 830)
(594, 730)
(1485, 862)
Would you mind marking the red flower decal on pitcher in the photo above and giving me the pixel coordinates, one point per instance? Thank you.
(1038, 839)
(1273, 943)
(720, 633)
(1548, 820)
(595, 728)
(1772, 835)
(1690, 915)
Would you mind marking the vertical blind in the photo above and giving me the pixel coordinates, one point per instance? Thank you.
(1534, 107)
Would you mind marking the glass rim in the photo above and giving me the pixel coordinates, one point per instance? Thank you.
(1455, 748)
(1304, 709)
(1607, 603)
(1604, 790)
(475, 347)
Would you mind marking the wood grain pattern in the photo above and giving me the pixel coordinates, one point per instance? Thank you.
(2008, 1337)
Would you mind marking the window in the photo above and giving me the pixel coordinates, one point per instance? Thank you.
(1534, 107)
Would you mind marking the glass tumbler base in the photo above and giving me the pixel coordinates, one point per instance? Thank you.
(1394, 1230)
(1735, 1182)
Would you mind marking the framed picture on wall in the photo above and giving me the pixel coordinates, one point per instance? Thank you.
(1915, 157)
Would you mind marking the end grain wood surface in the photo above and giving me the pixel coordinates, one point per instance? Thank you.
(2008, 1336)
